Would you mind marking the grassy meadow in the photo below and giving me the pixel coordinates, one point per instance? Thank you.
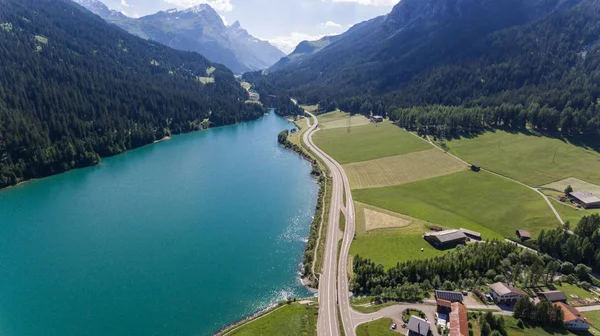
(367, 142)
(390, 246)
(379, 327)
(401, 169)
(290, 320)
(531, 159)
(478, 201)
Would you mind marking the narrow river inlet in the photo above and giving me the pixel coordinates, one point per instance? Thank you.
(179, 238)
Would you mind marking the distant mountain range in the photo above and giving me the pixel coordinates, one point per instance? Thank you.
(198, 29)
(511, 63)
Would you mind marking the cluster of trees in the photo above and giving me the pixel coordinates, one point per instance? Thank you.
(463, 268)
(543, 313)
(492, 325)
(582, 247)
(541, 72)
(74, 88)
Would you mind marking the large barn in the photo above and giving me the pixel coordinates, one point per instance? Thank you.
(585, 199)
(446, 239)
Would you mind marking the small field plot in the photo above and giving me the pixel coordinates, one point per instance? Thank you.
(329, 116)
(367, 142)
(534, 160)
(401, 169)
(379, 327)
(347, 121)
(477, 201)
(576, 184)
(293, 319)
(390, 245)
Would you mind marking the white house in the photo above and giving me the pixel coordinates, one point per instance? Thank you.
(573, 319)
(505, 294)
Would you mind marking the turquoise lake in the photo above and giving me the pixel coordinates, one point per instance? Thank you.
(179, 238)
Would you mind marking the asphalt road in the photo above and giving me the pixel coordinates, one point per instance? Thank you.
(333, 283)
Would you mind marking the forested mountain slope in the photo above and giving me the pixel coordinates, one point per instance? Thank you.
(490, 63)
(199, 29)
(74, 88)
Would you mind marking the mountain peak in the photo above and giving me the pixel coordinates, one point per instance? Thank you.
(199, 9)
(236, 25)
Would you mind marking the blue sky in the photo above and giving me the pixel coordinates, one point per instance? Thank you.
(283, 22)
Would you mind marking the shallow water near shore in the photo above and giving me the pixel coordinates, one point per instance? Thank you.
(178, 238)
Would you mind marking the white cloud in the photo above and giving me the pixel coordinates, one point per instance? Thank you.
(224, 20)
(369, 2)
(218, 5)
(287, 44)
(124, 3)
(331, 24)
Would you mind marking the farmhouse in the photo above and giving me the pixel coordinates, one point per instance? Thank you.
(445, 239)
(523, 234)
(505, 294)
(573, 319)
(585, 199)
(553, 296)
(449, 296)
(471, 234)
(459, 323)
(418, 326)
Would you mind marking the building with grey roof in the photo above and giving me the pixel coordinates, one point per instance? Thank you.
(450, 296)
(553, 296)
(418, 326)
(585, 199)
(446, 239)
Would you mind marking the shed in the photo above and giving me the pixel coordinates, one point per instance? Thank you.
(586, 199)
(377, 119)
(444, 239)
(523, 234)
(553, 296)
(418, 326)
(448, 295)
(443, 305)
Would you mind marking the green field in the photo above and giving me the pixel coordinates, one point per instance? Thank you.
(390, 246)
(477, 201)
(400, 169)
(290, 320)
(379, 327)
(367, 142)
(573, 216)
(531, 159)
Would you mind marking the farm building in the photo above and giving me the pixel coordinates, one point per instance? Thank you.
(574, 320)
(471, 234)
(505, 294)
(459, 323)
(418, 326)
(553, 296)
(585, 199)
(445, 239)
(450, 296)
(443, 306)
(523, 234)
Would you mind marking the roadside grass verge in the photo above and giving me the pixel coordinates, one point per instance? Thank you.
(291, 319)
(532, 159)
(477, 201)
(367, 142)
(391, 246)
(401, 169)
(379, 327)
(296, 138)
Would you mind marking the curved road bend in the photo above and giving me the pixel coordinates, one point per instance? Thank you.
(333, 282)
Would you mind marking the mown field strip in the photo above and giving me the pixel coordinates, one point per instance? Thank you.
(401, 169)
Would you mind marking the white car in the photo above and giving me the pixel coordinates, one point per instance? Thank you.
(394, 326)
